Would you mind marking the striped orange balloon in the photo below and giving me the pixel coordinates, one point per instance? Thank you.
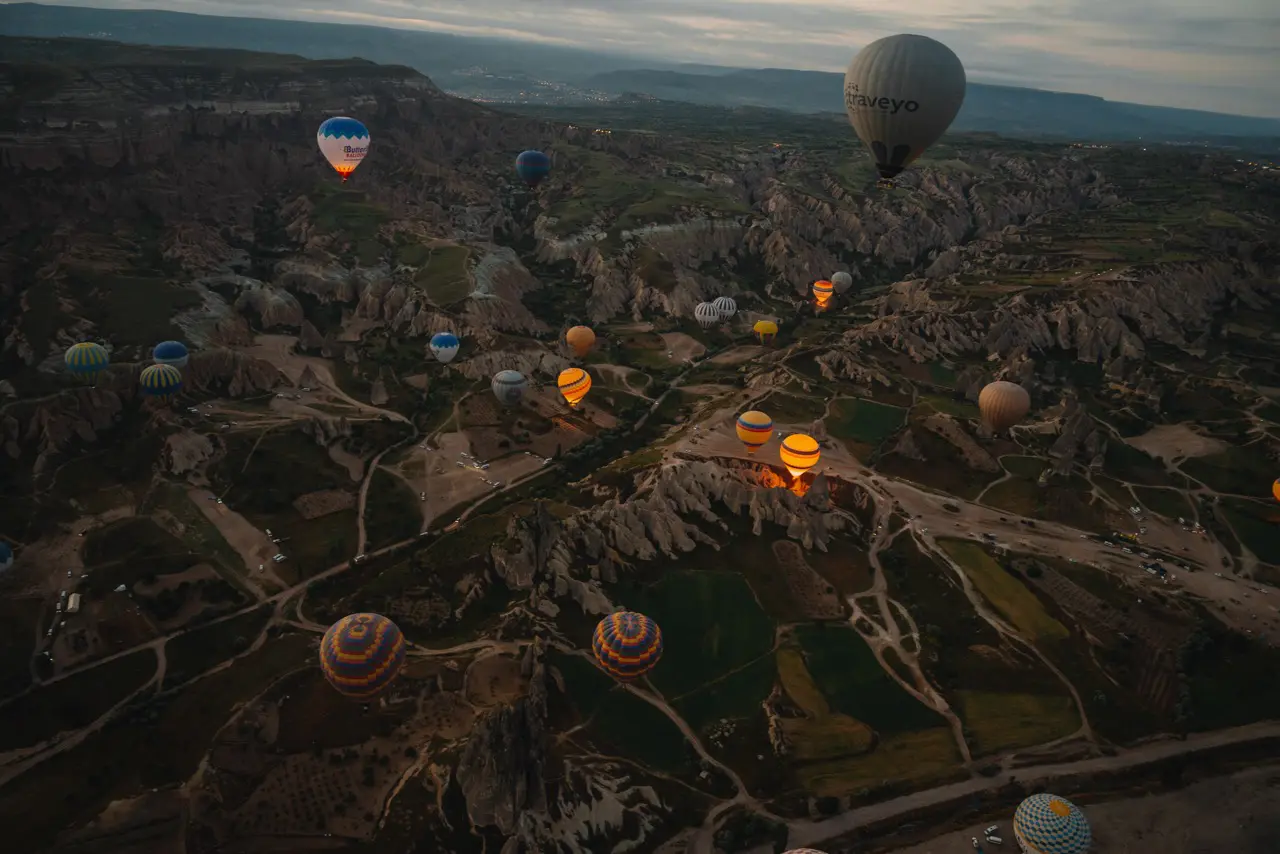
(574, 384)
(627, 644)
(754, 429)
(799, 453)
(362, 654)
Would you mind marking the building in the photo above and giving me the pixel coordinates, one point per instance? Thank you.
(73, 603)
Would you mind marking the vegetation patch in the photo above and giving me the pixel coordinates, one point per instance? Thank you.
(444, 276)
(1010, 596)
(192, 653)
(392, 513)
(864, 421)
(998, 722)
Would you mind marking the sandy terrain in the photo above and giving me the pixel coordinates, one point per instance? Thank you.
(313, 505)
(277, 349)
(349, 461)
(707, 389)
(1171, 441)
(629, 379)
(254, 547)
(494, 679)
(682, 346)
(1236, 813)
(436, 474)
(737, 355)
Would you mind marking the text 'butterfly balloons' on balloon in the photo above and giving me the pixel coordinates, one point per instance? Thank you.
(344, 142)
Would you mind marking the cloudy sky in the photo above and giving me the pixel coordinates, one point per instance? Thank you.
(1219, 55)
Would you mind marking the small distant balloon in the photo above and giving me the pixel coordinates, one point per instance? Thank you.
(88, 359)
(574, 383)
(627, 644)
(444, 346)
(580, 340)
(726, 307)
(799, 453)
(344, 142)
(842, 280)
(532, 166)
(1003, 404)
(706, 314)
(1275, 489)
(509, 387)
(766, 331)
(754, 429)
(361, 654)
(170, 353)
(6, 556)
(162, 381)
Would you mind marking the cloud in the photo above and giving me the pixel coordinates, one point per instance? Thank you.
(1222, 56)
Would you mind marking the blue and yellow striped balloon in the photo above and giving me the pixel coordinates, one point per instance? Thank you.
(754, 429)
(160, 381)
(627, 644)
(361, 654)
(1048, 824)
(87, 358)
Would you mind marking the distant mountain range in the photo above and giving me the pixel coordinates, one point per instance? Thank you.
(502, 70)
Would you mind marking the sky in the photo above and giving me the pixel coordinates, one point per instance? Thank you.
(1217, 55)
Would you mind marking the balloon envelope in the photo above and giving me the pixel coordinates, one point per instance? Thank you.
(574, 384)
(901, 93)
(726, 307)
(1275, 489)
(170, 353)
(799, 453)
(87, 357)
(627, 644)
(344, 142)
(1003, 404)
(580, 340)
(509, 387)
(1052, 825)
(361, 654)
(532, 166)
(765, 331)
(6, 555)
(754, 429)
(842, 280)
(444, 346)
(160, 380)
(706, 314)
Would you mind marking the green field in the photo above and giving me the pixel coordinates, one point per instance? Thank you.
(719, 643)
(1009, 595)
(444, 274)
(847, 673)
(1024, 467)
(192, 653)
(1246, 471)
(392, 511)
(786, 408)
(1255, 524)
(865, 421)
(1127, 464)
(1004, 721)
(1169, 503)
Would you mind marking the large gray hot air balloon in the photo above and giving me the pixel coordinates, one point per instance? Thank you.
(509, 387)
(726, 307)
(842, 280)
(902, 93)
(1003, 404)
(706, 314)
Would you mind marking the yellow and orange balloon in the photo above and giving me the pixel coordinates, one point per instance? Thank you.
(822, 292)
(574, 384)
(1275, 489)
(765, 331)
(799, 453)
(580, 340)
(754, 428)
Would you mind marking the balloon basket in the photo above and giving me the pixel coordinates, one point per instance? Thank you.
(885, 184)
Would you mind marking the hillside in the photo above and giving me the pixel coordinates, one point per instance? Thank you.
(932, 623)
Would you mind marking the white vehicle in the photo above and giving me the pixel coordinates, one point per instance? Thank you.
(461, 466)
(484, 466)
(993, 829)
(277, 558)
(1127, 550)
(360, 557)
(219, 500)
(994, 840)
(68, 573)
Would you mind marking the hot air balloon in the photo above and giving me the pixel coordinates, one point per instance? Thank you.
(532, 166)
(344, 142)
(706, 314)
(574, 384)
(754, 429)
(580, 340)
(6, 556)
(87, 359)
(509, 387)
(842, 280)
(361, 654)
(1003, 404)
(799, 453)
(901, 94)
(726, 307)
(444, 346)
(822, 291)
(1275, 489)
(162, 381)
(1048, 824)
(170, 353)
(627, 644)
(766, 331)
